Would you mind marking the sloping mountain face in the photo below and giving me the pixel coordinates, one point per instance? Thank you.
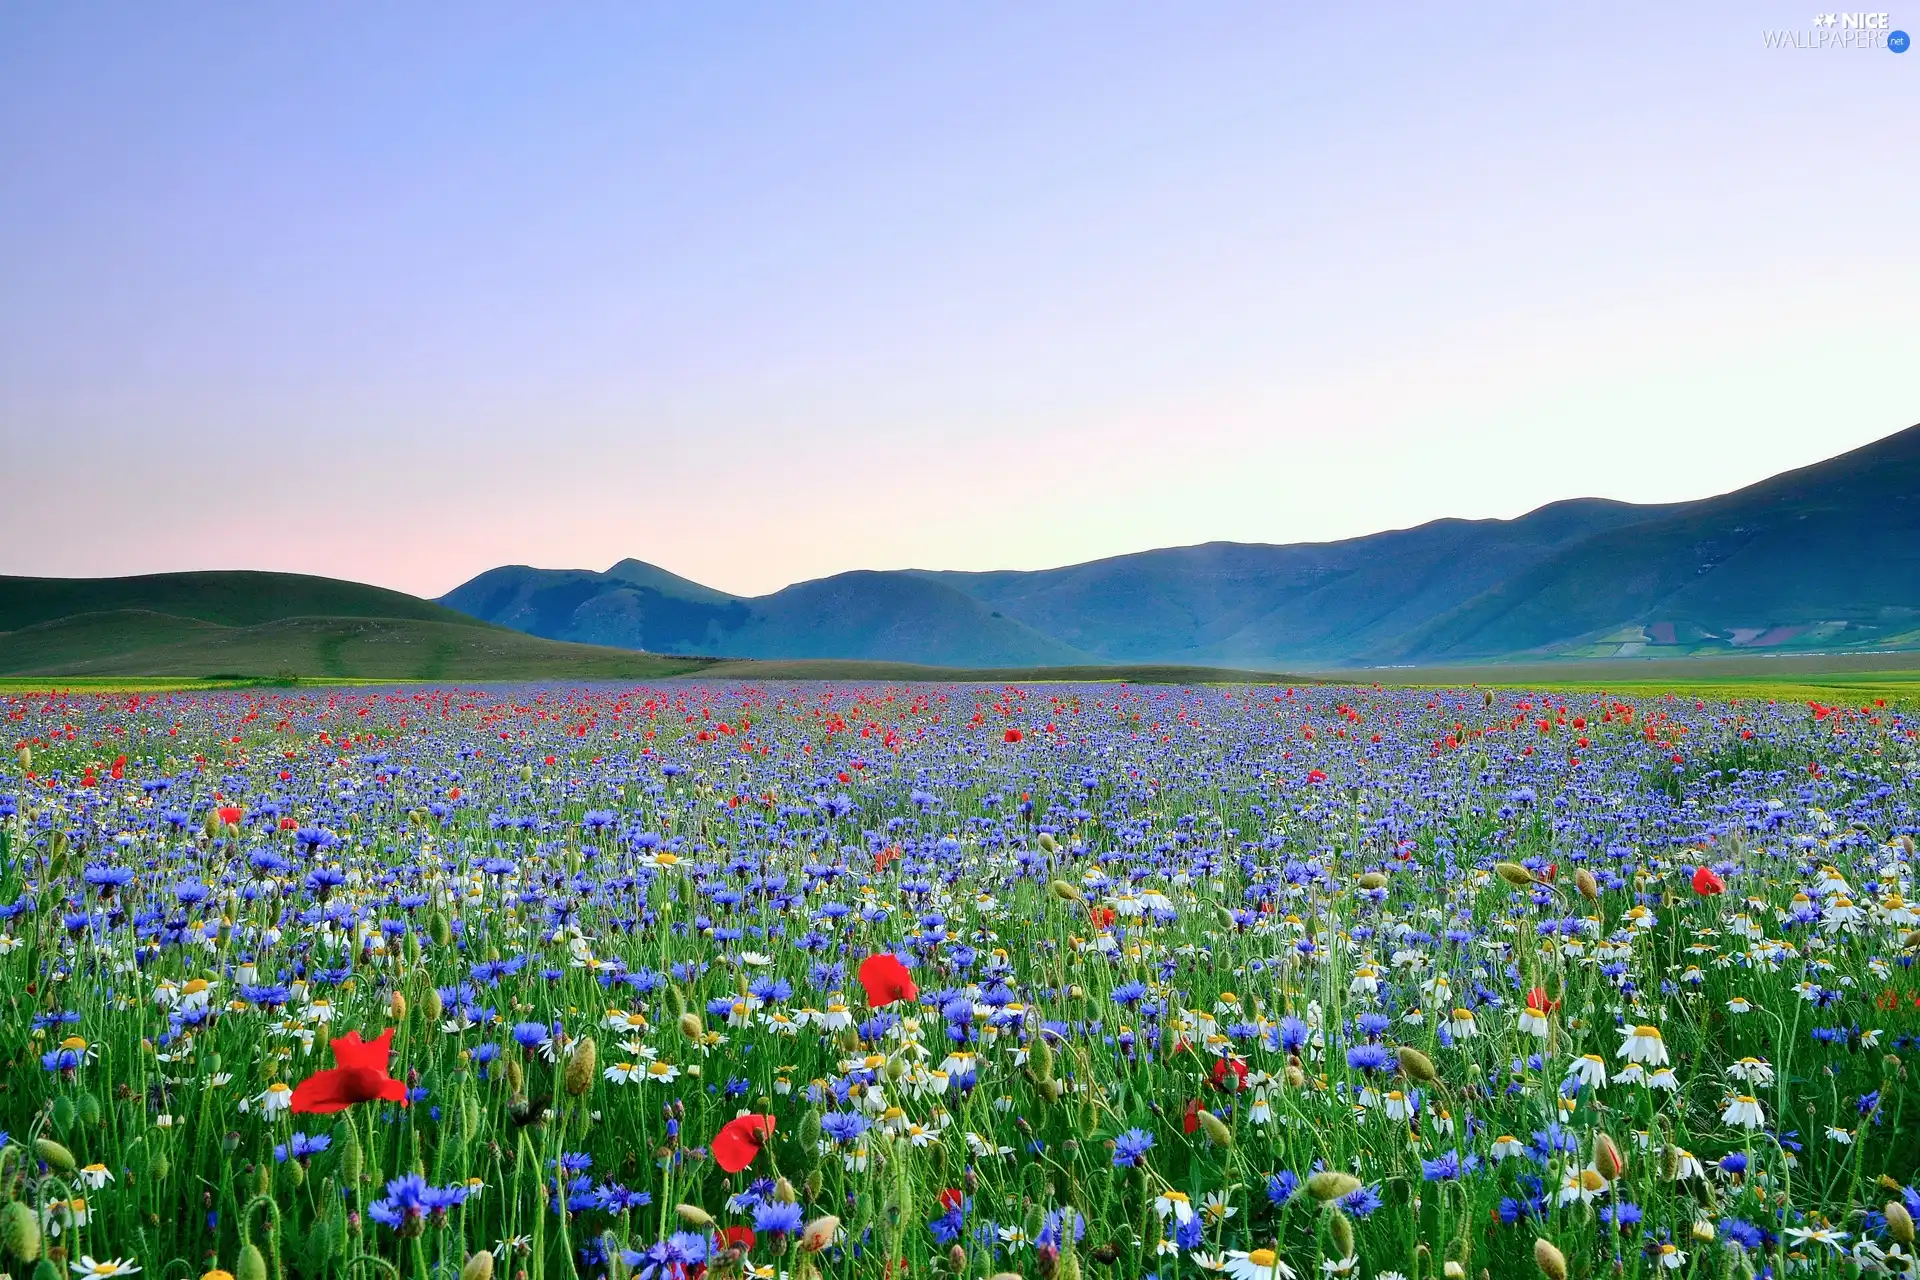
(1309, 602)
(899, 617)
(1826, 558)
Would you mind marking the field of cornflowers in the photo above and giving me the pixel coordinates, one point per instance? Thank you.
(810, 981)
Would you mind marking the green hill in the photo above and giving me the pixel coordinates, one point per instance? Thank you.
(271, 624)
(229, 597)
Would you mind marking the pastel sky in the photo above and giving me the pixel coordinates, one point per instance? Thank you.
(399, 292)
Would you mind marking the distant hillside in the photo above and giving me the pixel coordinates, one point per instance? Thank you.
(231, 598)
(861, 615)
(1824, 559)
(266, 624)
(1827, 556)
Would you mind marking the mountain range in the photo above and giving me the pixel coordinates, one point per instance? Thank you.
(1825, 558)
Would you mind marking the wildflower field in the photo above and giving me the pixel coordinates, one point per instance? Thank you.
(1056, 981)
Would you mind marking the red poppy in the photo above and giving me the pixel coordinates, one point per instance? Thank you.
(1012, 735)
(1706, 883)
(740, 1140)
(1191, 1121)
(732, 1236)
(359, 1074)
(119, 769)
(1229, 1074)
(886, 980)
(1102, 916)
(1538, 1002)
(230, 815)
(952, 1198)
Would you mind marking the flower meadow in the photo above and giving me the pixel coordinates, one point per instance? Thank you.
(1049, 981)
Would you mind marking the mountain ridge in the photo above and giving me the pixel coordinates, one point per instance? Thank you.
(1786, 564)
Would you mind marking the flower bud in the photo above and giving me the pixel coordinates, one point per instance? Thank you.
(1067, 890)
(1607, 1158)
(1588, 886)
(1217, 1132)
(1340, 1227)
(691, 1027)
(819, 1233)
(580, 1066)
(1417, 1064)
(1040, 1057)
(478, 1267)
(693, 1215)
(1514, 874)
(1373, 880)
(252, 1264)
(1899, 1222)
(20, 1231)
(1331, 1184)
(58, 1158)
(1552, 1263)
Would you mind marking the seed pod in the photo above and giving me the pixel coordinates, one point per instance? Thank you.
(580, 1066)
(1067, 891)
(1607, 1158)
(480, 1266)
(693, 1215)
(692, 1027)
(1331, 1184)
(1217, 1132)
(58, 1158)
(252, 1264)
(1514, 874)
(1340, 1227)
(1589, 887)
(1899, 1222)
(1417, 1064)
(819, 1233)
(1552, 1263)
(20, 1231)
(1040, 1058)
(1373, 880)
